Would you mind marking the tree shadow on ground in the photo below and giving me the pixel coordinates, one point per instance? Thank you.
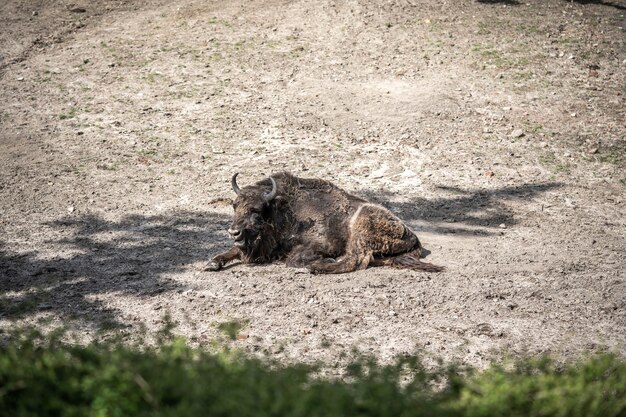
(463, 212)
(507, 2)
(138, 254)
(133, 256)
(600, 2)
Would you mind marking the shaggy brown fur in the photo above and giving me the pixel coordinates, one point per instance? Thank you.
(314, 224)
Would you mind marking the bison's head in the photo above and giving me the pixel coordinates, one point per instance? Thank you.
(252, 213)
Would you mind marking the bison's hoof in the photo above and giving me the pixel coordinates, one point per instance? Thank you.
(212, 266)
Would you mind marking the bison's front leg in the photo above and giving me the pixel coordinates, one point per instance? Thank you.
(222, 259)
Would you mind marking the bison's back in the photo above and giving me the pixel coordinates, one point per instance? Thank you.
(321, 211)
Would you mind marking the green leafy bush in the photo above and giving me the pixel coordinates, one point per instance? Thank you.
(43, 377)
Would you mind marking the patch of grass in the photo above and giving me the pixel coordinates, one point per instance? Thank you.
(69, 115)
(548, 158)
(271, 43)
(523, 75)
(500, 59)
(239, 45)
(231, 328)
(568, 41)
(527, 29)
(535, 128)
(43, 376)
(615, 155)
(484, 28)
(215, 56)
(215, 21)
(155, 77)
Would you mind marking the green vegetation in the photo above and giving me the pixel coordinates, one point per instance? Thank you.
(69, 115)
(43, 376)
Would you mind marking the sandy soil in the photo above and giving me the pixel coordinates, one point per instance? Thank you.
(496, 129)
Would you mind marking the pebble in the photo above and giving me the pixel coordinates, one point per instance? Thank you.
(517, 133)
(502, 226)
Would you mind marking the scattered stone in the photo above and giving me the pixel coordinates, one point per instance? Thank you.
(379, 173)
(517, 133)
(70, 209)
(484, 329)
(20, 78)
(502, 226)
(489, 174)
(76, 9)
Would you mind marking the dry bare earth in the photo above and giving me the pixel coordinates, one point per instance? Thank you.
(122, 125)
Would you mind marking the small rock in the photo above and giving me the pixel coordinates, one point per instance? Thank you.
(484, 329)
(393, 313)
(76, 9)
(379, 173)
(70, 209)
(593, 150)
(502, 226)
(35, 13)
(489, 174)
(517, 133)
(20, 78)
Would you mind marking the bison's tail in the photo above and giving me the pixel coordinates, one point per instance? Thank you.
(412, 260)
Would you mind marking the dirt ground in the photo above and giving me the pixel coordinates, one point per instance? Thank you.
(495, 129)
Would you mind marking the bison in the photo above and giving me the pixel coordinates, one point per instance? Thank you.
(314, 224)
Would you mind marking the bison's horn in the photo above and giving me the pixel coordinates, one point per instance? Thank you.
(270, 196)
(233, 181)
